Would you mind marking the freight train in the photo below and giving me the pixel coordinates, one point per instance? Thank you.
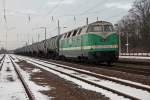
(95, 42)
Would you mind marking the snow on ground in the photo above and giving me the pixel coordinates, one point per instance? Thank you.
(1, 55)
(125, 89)
(135, 57)
(127, 81)
(35, 89)
(1, 62)
(84, 85)
(11, 87)
(143, 95)
(36, 70)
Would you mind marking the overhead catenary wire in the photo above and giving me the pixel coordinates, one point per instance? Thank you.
(95, 17)
(82, 13)
(93, 7)
(56, 6)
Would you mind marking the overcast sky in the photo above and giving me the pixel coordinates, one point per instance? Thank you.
(22, 28)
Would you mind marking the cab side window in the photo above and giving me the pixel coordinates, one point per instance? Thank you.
(68, 34)
(79, 31)
(74, 32)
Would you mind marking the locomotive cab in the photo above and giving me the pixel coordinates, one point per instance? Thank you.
(102, 28)
(103, 41)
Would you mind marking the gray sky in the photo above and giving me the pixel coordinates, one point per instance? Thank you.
(20, 29)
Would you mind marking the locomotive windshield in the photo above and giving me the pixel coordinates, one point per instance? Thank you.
(108, 28)
(100, 28)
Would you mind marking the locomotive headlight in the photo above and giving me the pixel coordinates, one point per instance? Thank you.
(114, 46)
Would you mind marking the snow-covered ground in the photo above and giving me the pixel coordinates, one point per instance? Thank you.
(11, 87)
(126, 81)
(83, 84)
(138, 93)
(135, 54)
(135, 57)
(35, 89)
(143, 95)
(1, 55)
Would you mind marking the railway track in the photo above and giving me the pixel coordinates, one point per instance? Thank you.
(2, 62)
(2, 58)
(121, 67)
(135, 62)
(78, 73)
(27, 89)
(130, 69)
(117, 67)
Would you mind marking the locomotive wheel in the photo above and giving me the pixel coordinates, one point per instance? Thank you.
(109, 63)
(63, 58)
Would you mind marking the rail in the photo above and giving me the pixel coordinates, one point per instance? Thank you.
(28, 91)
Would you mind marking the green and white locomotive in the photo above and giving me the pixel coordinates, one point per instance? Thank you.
(94, 42)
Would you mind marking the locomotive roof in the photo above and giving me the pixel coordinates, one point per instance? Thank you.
(94, 23)
(101, 23)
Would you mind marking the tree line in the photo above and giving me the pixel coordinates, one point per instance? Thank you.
(136, 26)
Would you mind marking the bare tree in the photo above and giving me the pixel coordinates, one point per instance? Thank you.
(137, 25)
(141, 10)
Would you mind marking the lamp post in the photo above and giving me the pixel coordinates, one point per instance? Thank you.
(38, 37)
(45, 46)
(45, 31)
(127, 43)
(58, 28)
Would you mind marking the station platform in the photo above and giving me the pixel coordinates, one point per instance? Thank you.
(140, 59)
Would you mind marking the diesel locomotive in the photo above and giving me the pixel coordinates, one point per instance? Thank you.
(95, 42)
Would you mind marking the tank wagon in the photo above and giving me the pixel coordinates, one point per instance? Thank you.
(96, 42)
(53, 47)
